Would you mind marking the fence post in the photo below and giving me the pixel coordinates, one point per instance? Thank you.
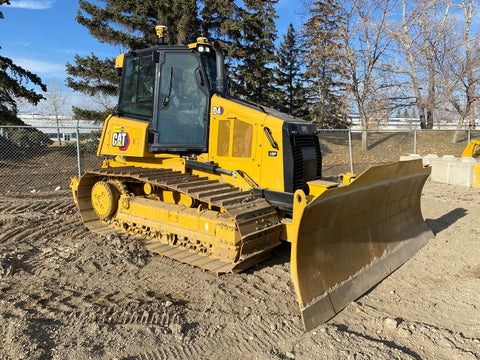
(350, 149)
(78, 153)
(414, 141)
(468, 135)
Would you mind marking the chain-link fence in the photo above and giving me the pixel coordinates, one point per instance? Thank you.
(342, 149)
(33, 161)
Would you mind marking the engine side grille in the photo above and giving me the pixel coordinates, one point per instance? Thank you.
(299, 143)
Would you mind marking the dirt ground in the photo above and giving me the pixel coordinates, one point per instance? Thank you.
(66, 293)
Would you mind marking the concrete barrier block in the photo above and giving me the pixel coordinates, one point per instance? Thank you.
(427, 160)
(451, 170)
(461, 172)
(441, 169)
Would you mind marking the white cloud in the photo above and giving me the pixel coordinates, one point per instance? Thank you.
(42, 68)
(33, 4)
(22, 44)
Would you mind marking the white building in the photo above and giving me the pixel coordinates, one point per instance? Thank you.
(67, 126)
(405, 124)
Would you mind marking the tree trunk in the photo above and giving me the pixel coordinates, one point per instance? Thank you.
(471, 121)
(429, 123)
(364, 120)
(423, 124)
(364, 139)
(457, 132)
(430, 106)
(58, 134)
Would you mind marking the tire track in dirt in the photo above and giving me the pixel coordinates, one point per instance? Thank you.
(36, 218)
(260, 336)
(200, 349)
(62, 207)
(44, 204)
(40, 232)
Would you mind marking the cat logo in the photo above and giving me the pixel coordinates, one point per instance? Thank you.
(120, 139)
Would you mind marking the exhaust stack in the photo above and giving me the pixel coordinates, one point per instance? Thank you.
(217, 46)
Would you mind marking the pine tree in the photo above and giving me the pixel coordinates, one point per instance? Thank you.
(288, 76)
(252, 52)
(248, 32)
(131, 24)
(93, 77)
(323, 60)
(13, 85)
(217, 18)
(128, 25)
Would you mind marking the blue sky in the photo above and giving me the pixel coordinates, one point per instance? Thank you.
(42, 35)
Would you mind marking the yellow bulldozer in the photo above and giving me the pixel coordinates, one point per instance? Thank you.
(217, 182)
(472, 149)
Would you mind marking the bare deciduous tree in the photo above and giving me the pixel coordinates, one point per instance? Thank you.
(419, 35)
(54, 103)
(457, 66)
(411, 53)
(367, 40)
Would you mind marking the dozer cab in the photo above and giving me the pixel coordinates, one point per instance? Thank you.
(216, 182)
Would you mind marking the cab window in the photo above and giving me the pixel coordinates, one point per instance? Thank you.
(209, 63)
(138, 83)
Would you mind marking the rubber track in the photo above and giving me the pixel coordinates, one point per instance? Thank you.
(256, 219)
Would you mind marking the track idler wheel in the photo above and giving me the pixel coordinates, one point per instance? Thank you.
(104, 199)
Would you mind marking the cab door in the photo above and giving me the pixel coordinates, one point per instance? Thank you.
(181, 122)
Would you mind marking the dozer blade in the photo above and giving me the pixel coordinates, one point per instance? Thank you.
(351, 237)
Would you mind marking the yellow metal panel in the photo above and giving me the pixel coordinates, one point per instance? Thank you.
(155, 161)
(232, 126)
(119, 61)
(74, 186)
(317, 187)
(476, 176)
(272, 159)
(241, 128)
(124, 137)
(472, 149)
